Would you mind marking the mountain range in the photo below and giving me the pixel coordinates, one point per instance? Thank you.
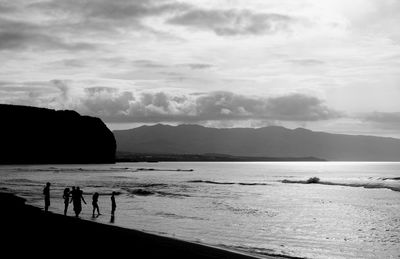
(272, 141)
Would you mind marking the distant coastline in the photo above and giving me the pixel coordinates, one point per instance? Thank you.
(189, 142)
(152, 158)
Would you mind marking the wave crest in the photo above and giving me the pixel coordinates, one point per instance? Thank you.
(371, 185)
(225, 183)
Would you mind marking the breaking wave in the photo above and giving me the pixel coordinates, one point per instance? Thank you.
(141, 192)
(225, 183)
(367, 185)
(176, 216)
(391, 178)
(164, 170)
(71, 170)
(97, 170)
(147, 192)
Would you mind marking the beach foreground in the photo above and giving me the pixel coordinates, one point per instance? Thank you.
(28, 231)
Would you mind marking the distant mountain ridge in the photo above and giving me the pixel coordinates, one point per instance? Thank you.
(272, 141)
(152, 157)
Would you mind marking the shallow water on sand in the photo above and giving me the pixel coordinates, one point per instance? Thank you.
(255, 207)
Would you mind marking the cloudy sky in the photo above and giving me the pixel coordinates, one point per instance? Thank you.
(326, 65)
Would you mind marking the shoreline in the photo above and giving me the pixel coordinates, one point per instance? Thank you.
(28, 231)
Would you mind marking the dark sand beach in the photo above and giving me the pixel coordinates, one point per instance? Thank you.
(28, 231)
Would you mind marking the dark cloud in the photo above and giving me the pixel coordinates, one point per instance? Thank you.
(10, 40)
(233, 22)
(385, 120)
(21, 35)
(105, 16)
(112, 10)
(196, 65)
(7, 7)
(148, 64)
(65, 22)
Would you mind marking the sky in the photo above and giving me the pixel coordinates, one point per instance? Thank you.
(325, 65)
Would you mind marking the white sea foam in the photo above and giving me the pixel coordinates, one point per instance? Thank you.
(376, 184)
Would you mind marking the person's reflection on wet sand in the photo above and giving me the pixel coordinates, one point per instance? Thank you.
(113, 204)
(46, 193)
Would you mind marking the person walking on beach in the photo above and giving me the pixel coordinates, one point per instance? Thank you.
(113, 204)
(95, 199)
(46, 193)
(77, 198)
(73, 196)
(66, 200)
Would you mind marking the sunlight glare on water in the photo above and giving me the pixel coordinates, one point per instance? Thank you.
(256, 207)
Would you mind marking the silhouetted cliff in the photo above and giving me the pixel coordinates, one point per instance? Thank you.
(30, 135)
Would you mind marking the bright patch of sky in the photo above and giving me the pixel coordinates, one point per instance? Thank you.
(327, 65)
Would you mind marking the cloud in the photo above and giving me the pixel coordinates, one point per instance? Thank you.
(306, 62)
(105, 102)
(195, 66)
(299, 107)
(7, 7)
(31, 93)
(112, 10)
(148, 64)
(144, 63)
(115, 106)
(384, 120)
(233, 22)
(72, 62)
(8, 87)
(21, 35)
(73, 24)
(63, 87)
(107, 16)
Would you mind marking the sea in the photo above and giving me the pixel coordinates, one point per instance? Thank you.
(290, 209)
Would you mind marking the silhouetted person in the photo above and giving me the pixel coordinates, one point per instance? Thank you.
(46, 193)
(77, 198)
(72, 193)
(95, 200)
(66, 200)
(73, 198)
(113, 204)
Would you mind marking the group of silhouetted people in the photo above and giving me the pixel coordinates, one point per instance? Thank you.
(75, 196)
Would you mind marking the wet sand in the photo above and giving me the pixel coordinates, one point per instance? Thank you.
(28, 231)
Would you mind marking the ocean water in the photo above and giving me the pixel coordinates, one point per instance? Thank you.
(261, 208)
